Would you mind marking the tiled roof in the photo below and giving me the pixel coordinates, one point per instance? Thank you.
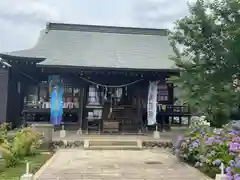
(101, 46)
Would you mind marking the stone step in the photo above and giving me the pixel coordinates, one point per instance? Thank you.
(132, 148)
(112, 143)
(68, 127)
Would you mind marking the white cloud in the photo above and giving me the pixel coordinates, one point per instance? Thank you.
(27, 11)
(160, 13)
(22, 20)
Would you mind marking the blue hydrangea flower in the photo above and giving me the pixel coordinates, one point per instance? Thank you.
(228, 171)
(231, 163)
(217, 162)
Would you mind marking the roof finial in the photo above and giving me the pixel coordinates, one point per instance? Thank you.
(47, 27)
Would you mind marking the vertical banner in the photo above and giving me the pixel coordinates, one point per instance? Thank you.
(56, 105)
(152, 103)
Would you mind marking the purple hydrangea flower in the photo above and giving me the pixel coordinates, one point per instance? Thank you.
(209, 142)
(234, 147)
(228, 171)
(237, 159)
(236, 166)
(217, 162)
(236, 139)
(195, 144)
(237, 177)
(234, 132)
(229, 177)
(231, 163)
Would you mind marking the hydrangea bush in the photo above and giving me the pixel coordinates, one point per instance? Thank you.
(197, 121)
(206, 148)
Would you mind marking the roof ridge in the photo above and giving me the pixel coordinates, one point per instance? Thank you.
(106, 29)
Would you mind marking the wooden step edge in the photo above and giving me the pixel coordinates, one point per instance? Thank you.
(112, 140)
(113, 148)
(115, 143)
(88, 143)
(101, 144)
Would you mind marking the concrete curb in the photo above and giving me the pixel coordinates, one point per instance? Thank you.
(204, 176)
(45, 166)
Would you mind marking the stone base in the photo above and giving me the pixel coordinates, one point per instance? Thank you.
(221, 177)
(156, 134)
(139, 144)
(62, 133)
(26, 177)
(62, 144)
(79, 132)
(157, 144)
(86, 144)
(46, 145)
(147, 144)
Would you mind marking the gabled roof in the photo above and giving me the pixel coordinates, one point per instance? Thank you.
(100, 46)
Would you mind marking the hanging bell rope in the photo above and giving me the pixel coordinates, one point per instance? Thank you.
(111, 86)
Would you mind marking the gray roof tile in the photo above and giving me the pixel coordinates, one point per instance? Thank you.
(101, 46)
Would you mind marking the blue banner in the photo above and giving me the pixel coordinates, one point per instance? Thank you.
(56, 93)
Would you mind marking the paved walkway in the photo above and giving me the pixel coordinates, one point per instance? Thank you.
(76, 164)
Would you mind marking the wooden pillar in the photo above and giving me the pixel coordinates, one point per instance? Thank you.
(81, 107)
(139, 117)
(4, 79)
(171, 93)
(84, 99)
(14, 103)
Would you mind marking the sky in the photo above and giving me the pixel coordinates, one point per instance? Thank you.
(22, 20)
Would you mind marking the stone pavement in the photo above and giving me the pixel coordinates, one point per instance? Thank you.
(155, 164)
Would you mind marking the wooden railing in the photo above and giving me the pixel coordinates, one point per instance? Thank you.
(175, 110)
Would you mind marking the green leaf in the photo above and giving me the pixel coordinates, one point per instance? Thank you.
(210, 59)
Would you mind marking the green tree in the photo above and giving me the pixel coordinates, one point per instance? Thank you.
(210, 58)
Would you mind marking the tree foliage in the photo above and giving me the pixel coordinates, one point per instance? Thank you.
(210, 58)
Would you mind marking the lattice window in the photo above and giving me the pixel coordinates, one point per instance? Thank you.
(163, 94)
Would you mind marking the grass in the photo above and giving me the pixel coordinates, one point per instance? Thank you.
(14, 173)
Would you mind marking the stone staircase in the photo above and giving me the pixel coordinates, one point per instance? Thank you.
(110, 144)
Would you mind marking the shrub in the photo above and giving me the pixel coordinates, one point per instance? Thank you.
(9, 158)
(5, 148)
(24, 143)
(3, 132)
(206, 148)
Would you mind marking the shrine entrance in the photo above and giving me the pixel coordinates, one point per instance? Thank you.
(113, 108)
(100, 101)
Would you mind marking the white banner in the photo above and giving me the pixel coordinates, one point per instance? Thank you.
(152, 103)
